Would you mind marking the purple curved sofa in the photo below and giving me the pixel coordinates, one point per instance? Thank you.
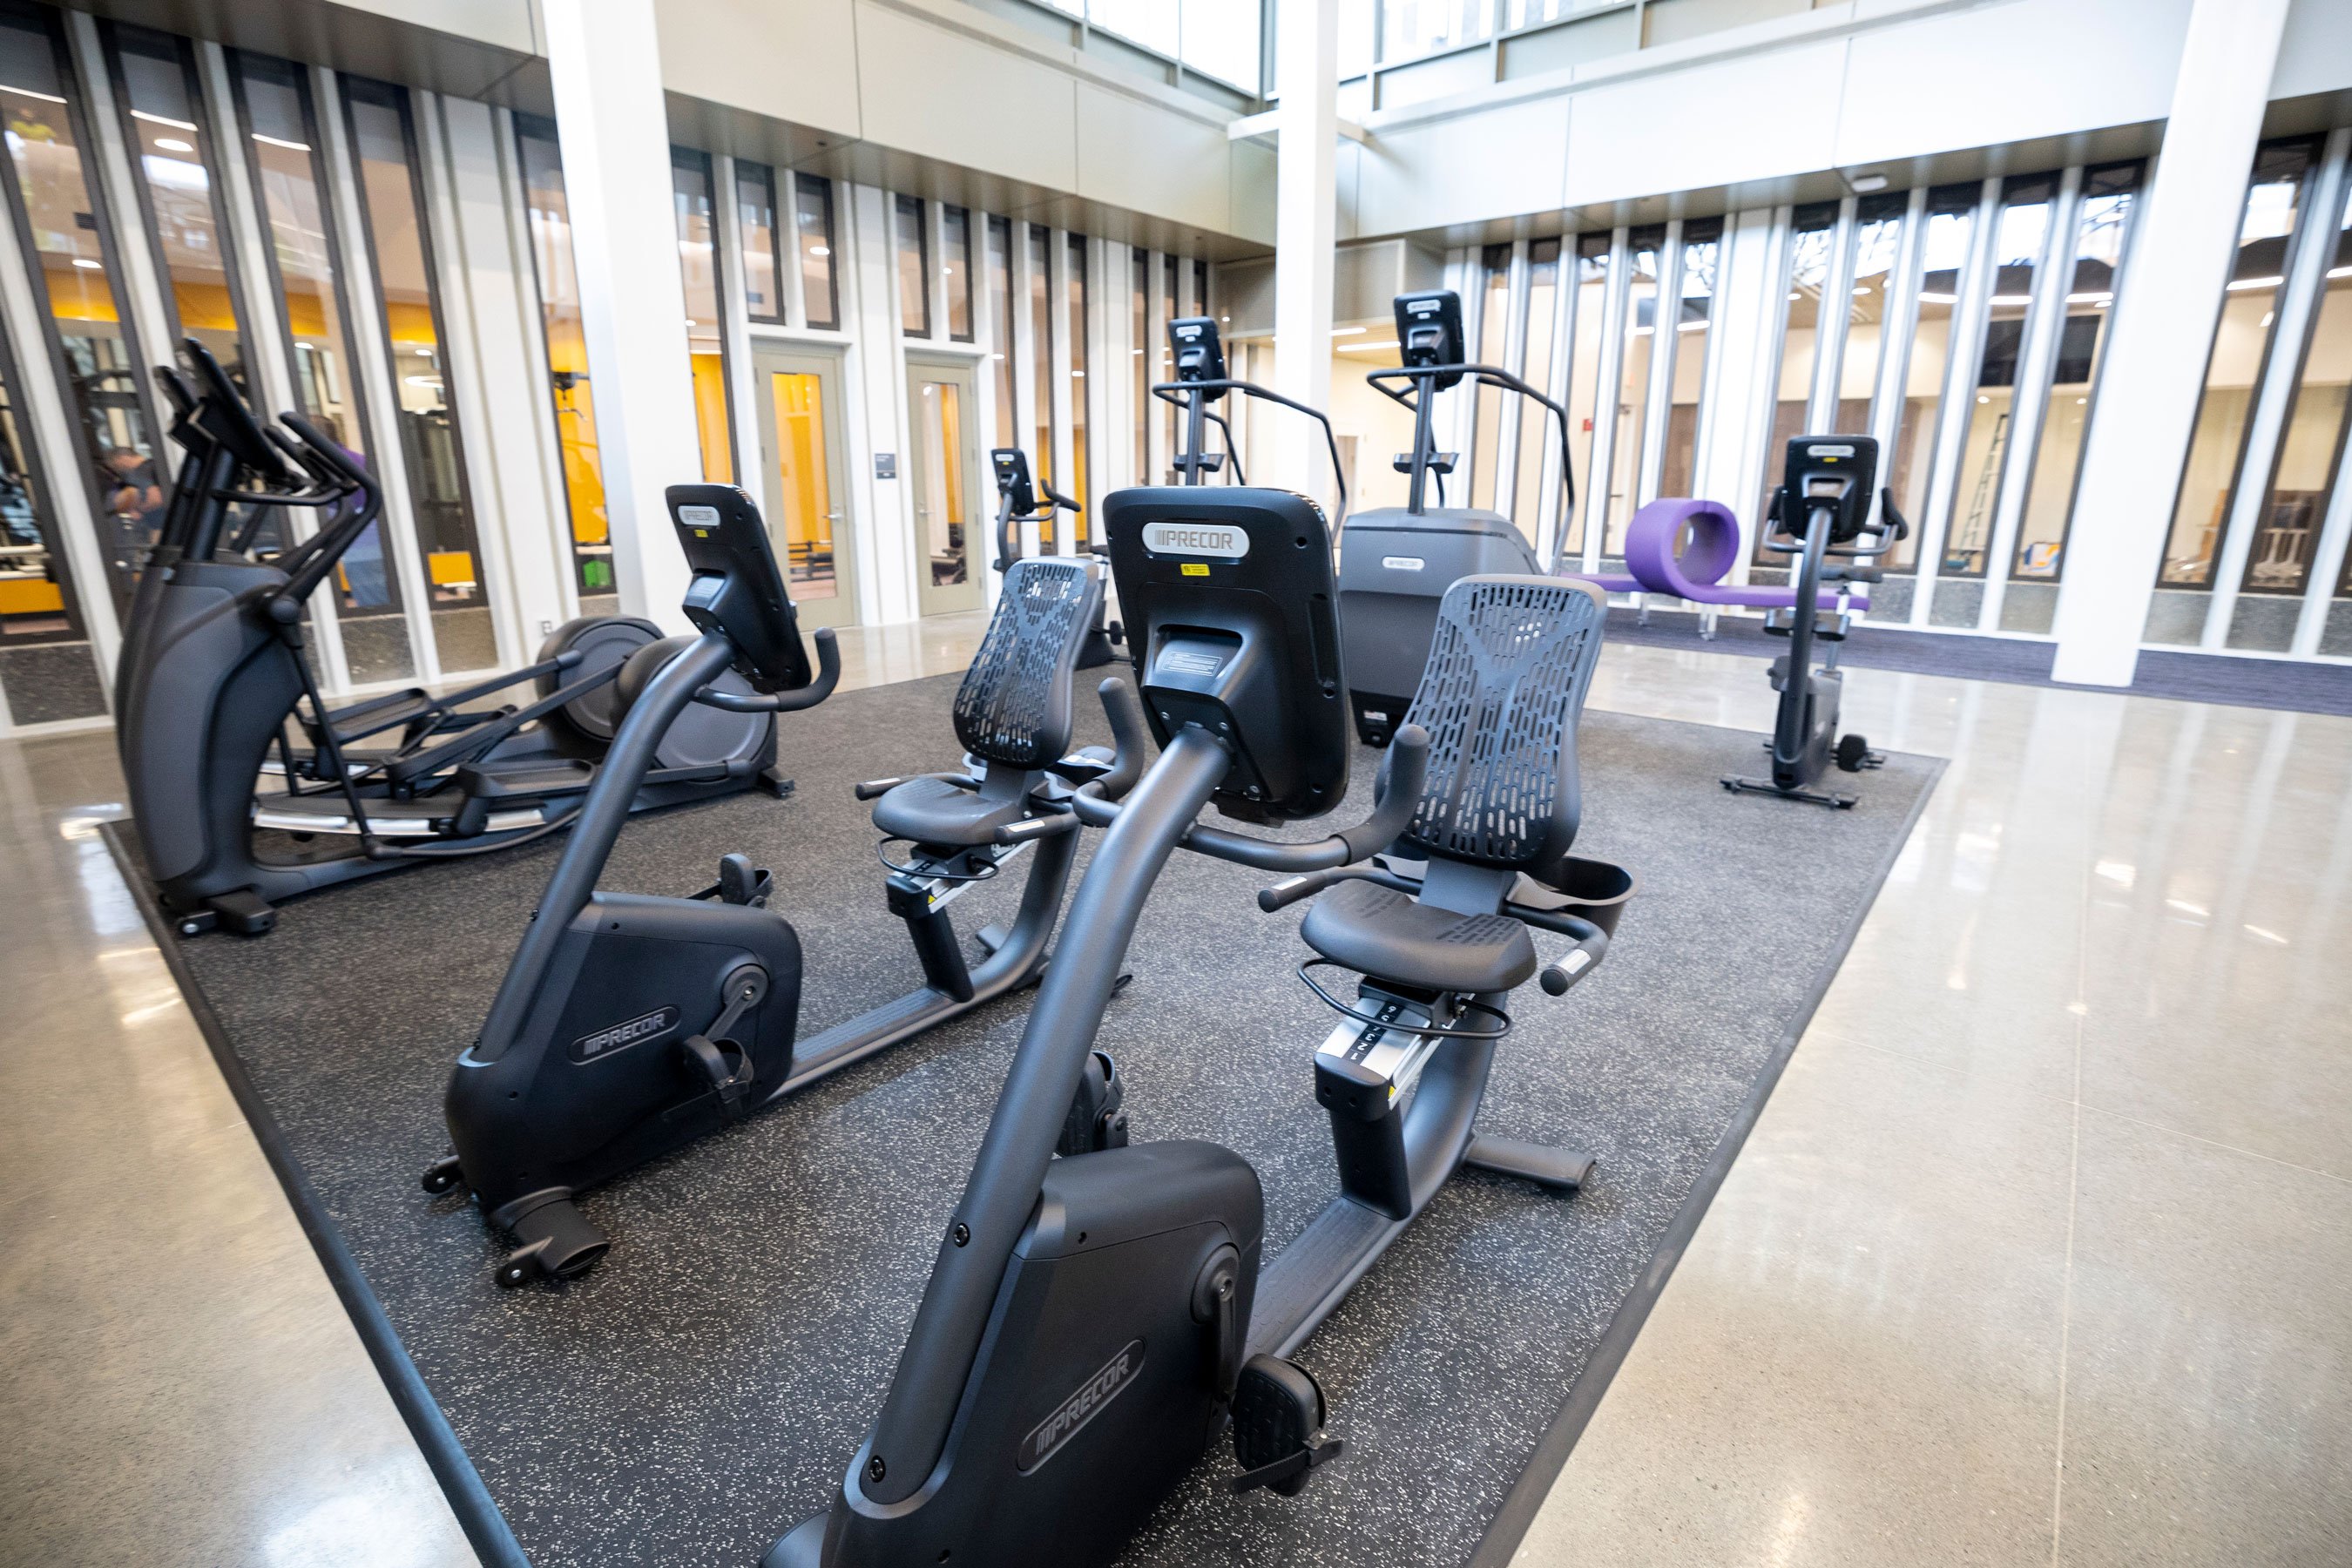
(1696, 574)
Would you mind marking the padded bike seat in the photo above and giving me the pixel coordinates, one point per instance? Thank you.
(933, 811)
(1383, 933)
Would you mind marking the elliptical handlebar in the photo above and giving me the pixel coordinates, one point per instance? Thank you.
(829, 675)
(340, 479)
(1424, 377)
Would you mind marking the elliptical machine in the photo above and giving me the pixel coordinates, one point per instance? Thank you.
(1092, 1321)
(1821, 514)
(629, 1025)
(1396, 565)
(1017, 501)
(214, 666)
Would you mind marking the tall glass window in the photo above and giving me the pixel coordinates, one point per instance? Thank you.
(2241, 346)
(1702, 258)
(2308, 467)
(60, 225)
(567, 363)
(281, 140)
(391, 204)
(1591, 285)
(1138, 322)
(1494, 323)
(1080, 528)
(2100, 231)
(46, 668)
(1536, 437)
(154, 84)
(1171, 291)
(1642, 248)
(955, 269)
(1000, 292)
(911, 237)
(1877, 235)
(755, 222)
(706, 334)
(813, 216)
(2023, 229)
(1812, 238)
(1041, 367)
(1948, 221)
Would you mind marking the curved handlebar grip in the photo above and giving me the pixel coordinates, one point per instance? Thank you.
(1058, 498)
(1408, 771)
(875, 789)
(828, 672)
(1886, 509)
(1288, 892)
(1127, 735)
(1591, 947)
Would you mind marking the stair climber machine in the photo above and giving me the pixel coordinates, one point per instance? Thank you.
(215, 675)
(1396, 565)
(630, 1024)
(1201, 382)
(1094, 1321)
(1821, 514)
(1017, 502)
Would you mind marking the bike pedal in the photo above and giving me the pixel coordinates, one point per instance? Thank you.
(1278, 1427)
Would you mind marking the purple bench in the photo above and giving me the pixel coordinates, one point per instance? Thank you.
(1696, 574)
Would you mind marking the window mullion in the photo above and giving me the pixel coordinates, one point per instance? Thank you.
(1897, 331)
(2046, 324)
(735, 322)
(1549, 516)
(1607, 385)
(1831, 320)
(1515, 357)
(2336, 523)
(1666, 320)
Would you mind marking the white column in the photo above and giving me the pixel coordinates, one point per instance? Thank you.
(1306, 65)
(2164, 321)
(606, 62)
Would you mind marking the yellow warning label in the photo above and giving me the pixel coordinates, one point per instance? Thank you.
(1195, 568)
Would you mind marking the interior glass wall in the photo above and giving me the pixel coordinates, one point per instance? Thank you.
(1813, 240)
(755, 223)
(955, 269)
(999, 293)
(392, 205)
(282, 141)
(812, 213)
(2308, 470)
(62, 229)
(2101, 230)
(1947, 224)
(1041, 368)
(550, 217)
(47, 671)
(1487, 421)
(1698, 280)
(1590, 281)
(1644, 247)
(2241, 347)
(163, 126)
(912, 239)
(1538, 434)
(705, 329)
(1877, 236)
(1077, 300)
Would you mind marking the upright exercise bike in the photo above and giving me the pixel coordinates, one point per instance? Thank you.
(1821, 514)
(629, 1025)
(1092, 1321)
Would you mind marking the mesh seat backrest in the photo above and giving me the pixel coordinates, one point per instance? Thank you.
(1500, 698)
(1013, 706)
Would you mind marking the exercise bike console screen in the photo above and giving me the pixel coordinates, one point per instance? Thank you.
(1839, 469)
(1012, 482)
(1227, 592)
(737, 590)
(1429, 330)
(1200, 353)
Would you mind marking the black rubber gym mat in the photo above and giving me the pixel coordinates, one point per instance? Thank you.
(702, 1390)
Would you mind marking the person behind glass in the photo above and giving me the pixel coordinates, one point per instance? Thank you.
(134, 501)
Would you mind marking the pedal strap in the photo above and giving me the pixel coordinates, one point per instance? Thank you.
(729, 1082)
(1295, 1464)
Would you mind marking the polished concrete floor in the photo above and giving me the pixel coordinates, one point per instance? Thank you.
(2040, 1252)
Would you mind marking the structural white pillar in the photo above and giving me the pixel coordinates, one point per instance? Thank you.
(2165, 317)
(609, 120)
(1306, 76)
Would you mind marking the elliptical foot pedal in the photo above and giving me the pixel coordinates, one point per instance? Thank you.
(557, 1243)
(1278, 1427)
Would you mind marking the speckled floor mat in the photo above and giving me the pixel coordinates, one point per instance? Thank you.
(701, 1391)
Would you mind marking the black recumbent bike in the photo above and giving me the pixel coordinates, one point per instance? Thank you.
(1095, 1322)
(1820, 515)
